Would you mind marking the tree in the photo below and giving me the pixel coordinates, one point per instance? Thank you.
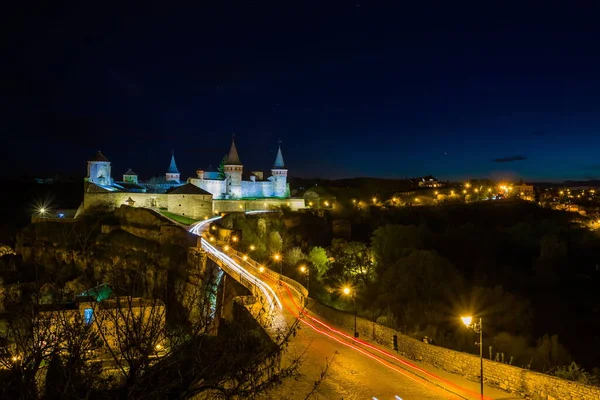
(275, 243)
(352, 261)
(319, 260)
(294, 256)
(422, 275)
(221, 168)
(391, 242)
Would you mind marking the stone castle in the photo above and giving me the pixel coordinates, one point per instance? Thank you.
(211, 192)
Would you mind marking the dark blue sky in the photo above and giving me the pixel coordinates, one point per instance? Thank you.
(350, 88)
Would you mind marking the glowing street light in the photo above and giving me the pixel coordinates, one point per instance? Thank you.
(252, 247)
(477, 327)
(277, 258)
(304, 269)
(212, 238)
(245, 258)
(261, 268)
(234, 239)
(226, 248)
(347, 291)
(374, 200)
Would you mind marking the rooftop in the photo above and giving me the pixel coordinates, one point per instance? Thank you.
(99, 157)
(188, 188)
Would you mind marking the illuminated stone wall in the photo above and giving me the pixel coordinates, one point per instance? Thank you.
(111, 200)
(191, 205)
(220, 206)
(512, 379)
(248, 189)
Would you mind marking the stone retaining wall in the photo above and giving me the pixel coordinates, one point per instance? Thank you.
(515, 380)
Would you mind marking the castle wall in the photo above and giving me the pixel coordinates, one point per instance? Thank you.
(213, 186)
(195, 206)
(110, 201)
(191, 205)
(220, 206)
(257, 189)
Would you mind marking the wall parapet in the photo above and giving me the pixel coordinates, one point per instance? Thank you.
(512, 379)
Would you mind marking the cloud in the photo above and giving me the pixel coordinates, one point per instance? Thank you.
(510, 159)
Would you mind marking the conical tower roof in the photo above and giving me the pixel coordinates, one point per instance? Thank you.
(279, 164)
(99, 157)
(233, 158)
(172, 167)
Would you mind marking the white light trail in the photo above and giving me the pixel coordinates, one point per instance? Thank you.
(265, 288)
(236, 267)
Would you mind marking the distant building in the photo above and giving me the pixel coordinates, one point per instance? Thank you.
(428, 182)
(525, 190)
(105, 308)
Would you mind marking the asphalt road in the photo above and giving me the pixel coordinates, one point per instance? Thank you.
(353, 372)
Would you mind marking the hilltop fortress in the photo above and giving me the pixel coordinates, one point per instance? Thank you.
(210, 193)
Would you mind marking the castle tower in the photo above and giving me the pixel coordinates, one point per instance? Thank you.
(233, 173)
(172, 173)
(279, 176)
(130, 176)
(98, 170)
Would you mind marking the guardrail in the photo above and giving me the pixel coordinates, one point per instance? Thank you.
(300, 290)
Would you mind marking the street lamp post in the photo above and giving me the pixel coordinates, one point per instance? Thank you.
(478, 328)
(351, 293)
(305, 270)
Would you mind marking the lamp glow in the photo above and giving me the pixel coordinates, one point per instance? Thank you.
(467, 320)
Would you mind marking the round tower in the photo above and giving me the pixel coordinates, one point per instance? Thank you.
(98, 170)
(172, 173)
(233, 169)
(279, 176)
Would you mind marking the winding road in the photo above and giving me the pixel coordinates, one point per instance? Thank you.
(356, 369)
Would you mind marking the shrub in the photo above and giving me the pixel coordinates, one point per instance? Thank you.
(574, 372)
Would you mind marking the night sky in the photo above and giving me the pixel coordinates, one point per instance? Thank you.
(501, 89)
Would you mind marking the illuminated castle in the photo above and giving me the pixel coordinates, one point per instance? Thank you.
(233, 187)
(202, 196)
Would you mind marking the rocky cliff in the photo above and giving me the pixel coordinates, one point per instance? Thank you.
(133, 248)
